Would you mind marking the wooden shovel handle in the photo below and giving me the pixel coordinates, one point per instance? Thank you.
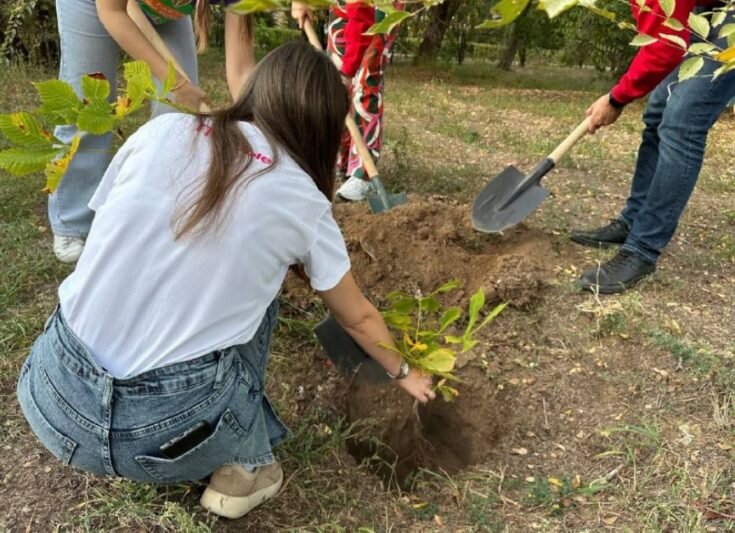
(570, 141)
(144, 25)
(362, 149)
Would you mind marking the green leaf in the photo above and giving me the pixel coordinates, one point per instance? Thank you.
(25, 130)
(95, 88)
(505, 12)
(170, 79)
(718, 18)
(491, 316)
(477, 301)
(726, 30)
(667, 6)
(723, 70)
(642, 40)
(246, 7)
(448, 393)
(448, 286)
(673, 24)
(139, 81)
(554, 8)
(58, 166)
(681, 43)
(388, 23)
(430, 304)
(468, 344)
(404, 306)
(441, 360)
(22, 161)
(59, 103)
(699, 25)
(397, 320)
(452, 339)
(702, 48)
(397, 295)
(690, 68)
(96, 118)
(449, 317)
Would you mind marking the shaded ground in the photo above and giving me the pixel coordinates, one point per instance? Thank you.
(620, 410)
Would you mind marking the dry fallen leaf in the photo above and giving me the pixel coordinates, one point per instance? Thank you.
(519, 451)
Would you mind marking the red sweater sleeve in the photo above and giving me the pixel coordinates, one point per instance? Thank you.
(654, 62)
(360, 17)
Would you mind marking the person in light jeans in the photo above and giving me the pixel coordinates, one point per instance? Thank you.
(92, 34)
(153, 366)
(677, 119)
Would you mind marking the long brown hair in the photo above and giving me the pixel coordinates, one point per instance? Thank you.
(203, 25)
(295, 96)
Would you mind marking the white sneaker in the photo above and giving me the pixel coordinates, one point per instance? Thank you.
(68, 249)
(354, 190)
(233, 491)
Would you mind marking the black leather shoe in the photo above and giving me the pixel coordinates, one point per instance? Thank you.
(617, 275)
(614, 234)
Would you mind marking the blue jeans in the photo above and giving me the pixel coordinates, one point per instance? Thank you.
(86, 47)
(90, 420)
(677, 120)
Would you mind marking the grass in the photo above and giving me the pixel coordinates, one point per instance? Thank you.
(625, 402)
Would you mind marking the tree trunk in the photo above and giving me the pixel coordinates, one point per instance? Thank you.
(512, 44)
(440, 17)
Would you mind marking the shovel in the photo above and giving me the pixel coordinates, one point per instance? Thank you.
(347, 355)
(511, 196)
(149, 31)
(379, 201)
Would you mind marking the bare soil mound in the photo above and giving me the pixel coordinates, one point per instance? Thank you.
(419, 246)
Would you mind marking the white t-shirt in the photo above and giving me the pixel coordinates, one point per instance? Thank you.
(139, 299)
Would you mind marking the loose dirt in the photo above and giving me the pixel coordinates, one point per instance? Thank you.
(417, 247)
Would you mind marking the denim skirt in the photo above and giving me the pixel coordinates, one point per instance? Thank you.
(90, 420)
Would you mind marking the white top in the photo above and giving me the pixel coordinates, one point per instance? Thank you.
(140, 299)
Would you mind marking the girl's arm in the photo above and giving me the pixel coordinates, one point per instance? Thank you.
(239, 52)
(365, 324)
(123, 30)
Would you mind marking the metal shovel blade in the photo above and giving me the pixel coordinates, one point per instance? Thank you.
(346, 354)
(499, 206)
(378, 206)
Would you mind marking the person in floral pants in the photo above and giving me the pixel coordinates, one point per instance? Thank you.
(362, 60)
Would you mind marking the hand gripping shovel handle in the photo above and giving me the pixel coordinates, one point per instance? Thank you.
(150, 33)
(362, 149)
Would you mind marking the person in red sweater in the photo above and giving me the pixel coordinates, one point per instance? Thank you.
(362, 60)
(677, 119)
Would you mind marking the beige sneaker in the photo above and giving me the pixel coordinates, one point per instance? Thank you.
(233, 491)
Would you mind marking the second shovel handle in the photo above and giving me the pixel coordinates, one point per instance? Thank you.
(570, 141)
(362, 149)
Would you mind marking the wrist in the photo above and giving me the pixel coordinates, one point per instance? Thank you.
(402, 372)
(614, 102)
(179, 84)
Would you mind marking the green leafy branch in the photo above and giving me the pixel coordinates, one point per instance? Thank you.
(427, 339)
(34, 148)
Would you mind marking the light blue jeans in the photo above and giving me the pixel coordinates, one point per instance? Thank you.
(93, 421)
(677, 119)
(86, 47)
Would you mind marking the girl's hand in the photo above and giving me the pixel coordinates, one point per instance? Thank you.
(301, 13)
(417, 385)
(190, 96)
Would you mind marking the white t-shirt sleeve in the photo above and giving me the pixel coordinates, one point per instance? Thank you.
(327, 261)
